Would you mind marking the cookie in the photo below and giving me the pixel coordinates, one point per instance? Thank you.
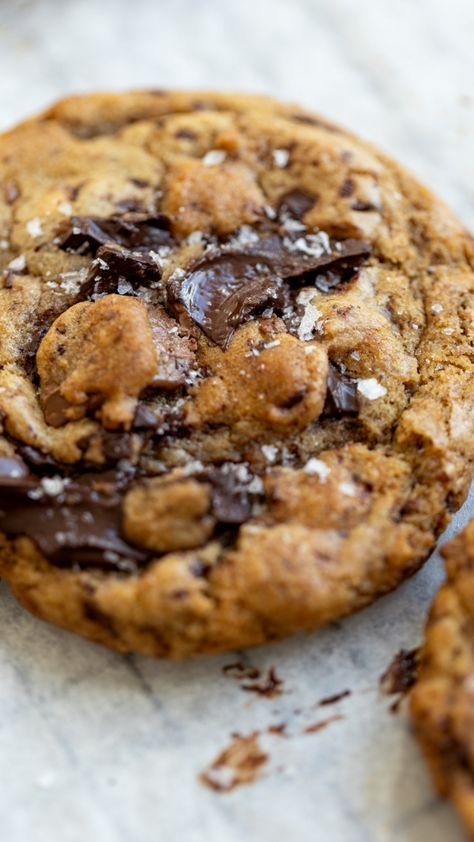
(442, 701)
(236, 384)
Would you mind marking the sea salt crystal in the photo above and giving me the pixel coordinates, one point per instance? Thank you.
(437, 308)
(3, 245)
(71, 282)
(273, 344)
(193, 467)
(34, 227)
(18, 263)
(270, 452)
(355, 355)
(309, 323)
(195, 238)
(371, 389)
(255, 486)
(347, 488)
(214, 157)
(318, 467)
(65, 208)
(53, 485)
(124, 287)
(293, 225)
(448, 331)
(281, 158)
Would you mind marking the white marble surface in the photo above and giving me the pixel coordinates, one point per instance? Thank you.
(101, 747)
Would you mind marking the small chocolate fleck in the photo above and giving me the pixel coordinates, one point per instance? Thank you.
(331, 700)
(12, 192)
(296, 203)
(347, 188)
(145, 418)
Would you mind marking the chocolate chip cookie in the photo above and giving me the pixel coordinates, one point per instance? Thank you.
(236, 370)
(442, 702)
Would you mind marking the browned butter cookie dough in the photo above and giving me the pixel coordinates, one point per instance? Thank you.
(442, 702)
(236, 370)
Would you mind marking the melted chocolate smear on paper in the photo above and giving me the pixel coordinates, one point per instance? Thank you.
(134, 231)
(78, 523)
(239, 764)
(341, 397)
(222, 290)
(400, 676)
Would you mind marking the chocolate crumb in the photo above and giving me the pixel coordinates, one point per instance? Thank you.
(270, 685)
(239, 764)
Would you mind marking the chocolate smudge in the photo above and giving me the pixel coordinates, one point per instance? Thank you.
(239, 764)
(318, 726)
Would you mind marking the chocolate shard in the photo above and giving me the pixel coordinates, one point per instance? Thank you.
(222, 290)
(117, 269)
(70, 522)
(296, 203)
(293, 259)
(341, 397)
(135, 231)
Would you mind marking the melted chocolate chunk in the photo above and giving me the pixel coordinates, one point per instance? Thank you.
(135, 231)
(341, 395)
(222, 290)
(119, 270)
(296, 203)
(116, 446)
(70, 522)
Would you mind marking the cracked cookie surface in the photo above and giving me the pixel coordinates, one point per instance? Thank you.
(236, 370)
(442, 701)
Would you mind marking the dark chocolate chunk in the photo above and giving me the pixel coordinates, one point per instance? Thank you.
(341, 397)
(119, 270)
(222, 290)
(135, 231)
(71, 522)
(360, 205)
(116, 446)
(231, 496)
(291, 262)
(39, 460)
(296, 203)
